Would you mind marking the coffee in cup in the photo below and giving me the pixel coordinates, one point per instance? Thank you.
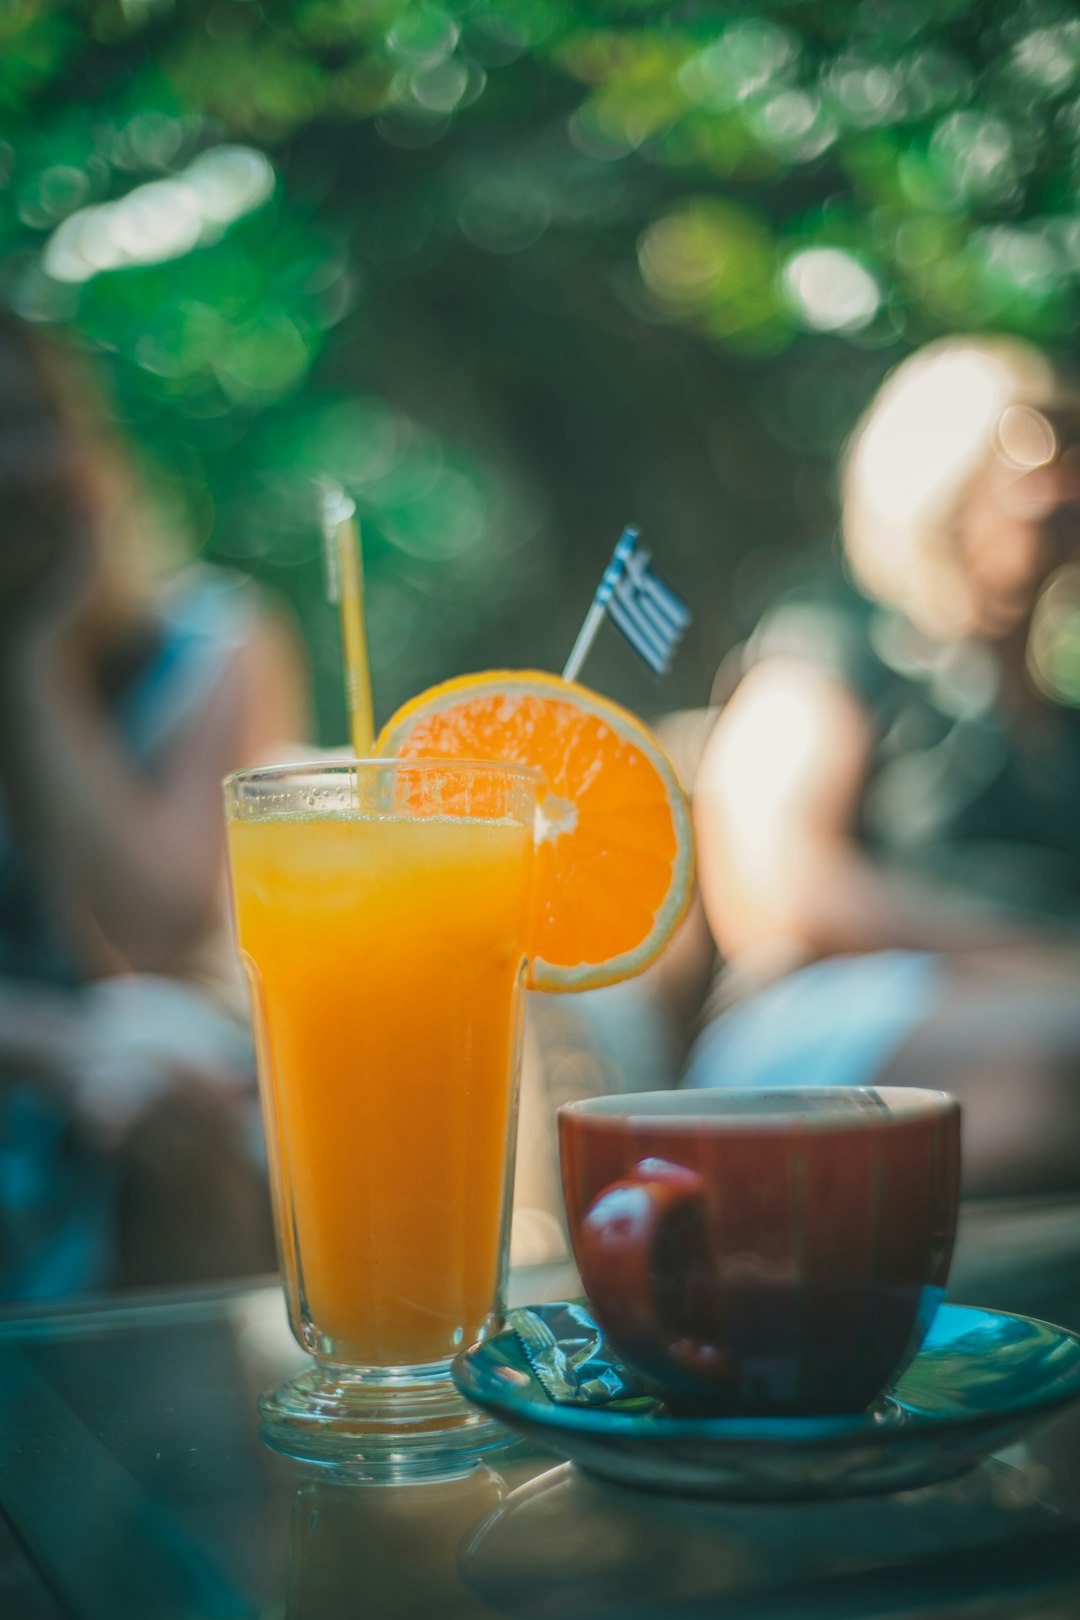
(764, 1252)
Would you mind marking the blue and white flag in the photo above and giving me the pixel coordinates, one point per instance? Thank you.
(638, 603)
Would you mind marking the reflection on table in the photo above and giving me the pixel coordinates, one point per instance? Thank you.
(565, 1546)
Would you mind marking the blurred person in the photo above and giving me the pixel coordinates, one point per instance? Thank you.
(129, 1144)
(888, 808)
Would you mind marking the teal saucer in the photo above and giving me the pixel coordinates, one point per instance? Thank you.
(980, 1379)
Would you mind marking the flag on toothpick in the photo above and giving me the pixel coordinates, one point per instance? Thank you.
(639, 604)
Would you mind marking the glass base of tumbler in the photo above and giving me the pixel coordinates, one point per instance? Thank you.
(366, 1425)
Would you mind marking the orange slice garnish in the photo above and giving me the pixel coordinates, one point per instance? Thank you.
(615, 851)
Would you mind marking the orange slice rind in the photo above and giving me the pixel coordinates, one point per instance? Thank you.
(614, 858)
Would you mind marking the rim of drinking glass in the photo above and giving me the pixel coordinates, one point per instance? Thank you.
(329, 767)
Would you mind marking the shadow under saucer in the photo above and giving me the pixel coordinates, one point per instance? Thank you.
(568, 1547)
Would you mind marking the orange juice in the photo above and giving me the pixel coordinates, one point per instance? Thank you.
(386, 956)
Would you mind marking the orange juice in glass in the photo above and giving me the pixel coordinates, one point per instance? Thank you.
(382, 911)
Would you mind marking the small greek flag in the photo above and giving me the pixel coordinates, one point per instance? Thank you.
(640, 606)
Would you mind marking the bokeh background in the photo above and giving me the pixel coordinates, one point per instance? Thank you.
(519, 271)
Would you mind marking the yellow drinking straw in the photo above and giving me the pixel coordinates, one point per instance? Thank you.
(345, 586)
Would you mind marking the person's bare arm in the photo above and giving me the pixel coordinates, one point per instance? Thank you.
(775, 811)
(131, 864)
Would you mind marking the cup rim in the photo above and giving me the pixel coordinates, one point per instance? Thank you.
(902, 1104)
(291, 769)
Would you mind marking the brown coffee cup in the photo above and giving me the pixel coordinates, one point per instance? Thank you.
(758, 1252)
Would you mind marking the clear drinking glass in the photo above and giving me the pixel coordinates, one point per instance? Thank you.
(381, 911)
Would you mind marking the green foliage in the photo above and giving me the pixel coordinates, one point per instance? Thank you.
(515, 270)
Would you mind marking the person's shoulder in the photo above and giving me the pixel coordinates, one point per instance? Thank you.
(215, 630)
(208, 600)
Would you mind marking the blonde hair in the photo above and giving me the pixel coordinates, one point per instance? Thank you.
(912, 458)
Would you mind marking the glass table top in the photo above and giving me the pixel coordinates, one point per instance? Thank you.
(134, 1486)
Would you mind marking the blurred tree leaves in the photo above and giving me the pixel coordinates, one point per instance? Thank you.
(521, 269)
